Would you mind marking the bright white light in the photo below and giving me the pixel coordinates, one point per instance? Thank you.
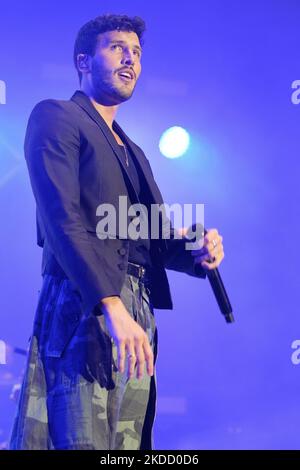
(174, 142)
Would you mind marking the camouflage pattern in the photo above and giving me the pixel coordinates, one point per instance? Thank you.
(73, 396)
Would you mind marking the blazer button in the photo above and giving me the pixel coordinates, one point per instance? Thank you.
(122, 266)
(122, 251)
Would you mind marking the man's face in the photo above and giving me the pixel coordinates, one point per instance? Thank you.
(116, 66)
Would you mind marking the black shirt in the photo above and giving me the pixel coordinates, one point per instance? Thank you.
(139, 250)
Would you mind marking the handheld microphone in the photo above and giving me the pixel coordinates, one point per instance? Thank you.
(219, 290)
(221, 296)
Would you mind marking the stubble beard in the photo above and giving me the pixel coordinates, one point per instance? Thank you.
(107, 83)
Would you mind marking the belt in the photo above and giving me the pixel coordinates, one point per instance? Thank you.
(139, 271)
(136, 270)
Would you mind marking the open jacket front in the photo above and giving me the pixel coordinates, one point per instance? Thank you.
(75, 164)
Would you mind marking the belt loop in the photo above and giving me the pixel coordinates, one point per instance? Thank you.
(137, 270)
(141, 271)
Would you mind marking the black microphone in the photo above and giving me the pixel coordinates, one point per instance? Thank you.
(218, 288)
(220, 294)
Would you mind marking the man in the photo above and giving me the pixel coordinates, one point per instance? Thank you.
(85, 386)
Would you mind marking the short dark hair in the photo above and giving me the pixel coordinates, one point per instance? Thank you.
(86, 39)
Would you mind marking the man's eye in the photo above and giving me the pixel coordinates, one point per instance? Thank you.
(115, 46)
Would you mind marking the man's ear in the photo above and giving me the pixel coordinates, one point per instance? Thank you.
(84, 63)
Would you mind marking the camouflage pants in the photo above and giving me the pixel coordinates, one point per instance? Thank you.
(73, 396)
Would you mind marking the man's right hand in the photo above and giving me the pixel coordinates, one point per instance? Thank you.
(129, 337)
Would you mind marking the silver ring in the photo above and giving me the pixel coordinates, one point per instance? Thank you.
(214, 243)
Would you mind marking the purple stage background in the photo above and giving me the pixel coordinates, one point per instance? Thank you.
(224, 71)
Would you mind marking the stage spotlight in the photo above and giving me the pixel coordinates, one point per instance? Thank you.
(174, 142)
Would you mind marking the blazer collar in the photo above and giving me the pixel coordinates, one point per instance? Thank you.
(82, 100)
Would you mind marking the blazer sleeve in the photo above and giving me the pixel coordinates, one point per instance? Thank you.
(177, 258)
(52, 152)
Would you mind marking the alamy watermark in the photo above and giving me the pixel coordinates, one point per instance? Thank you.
(295, 356)
(2, 92)
(138, 221)
(2, 352)
(295, 97)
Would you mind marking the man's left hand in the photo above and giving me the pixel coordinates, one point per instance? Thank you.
(212, 252)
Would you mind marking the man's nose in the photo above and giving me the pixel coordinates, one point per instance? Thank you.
(128, 58)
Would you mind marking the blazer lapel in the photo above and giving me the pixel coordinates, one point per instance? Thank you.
(156, 195)
(84, 102)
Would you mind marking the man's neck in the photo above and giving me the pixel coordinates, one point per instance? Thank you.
(108, 113)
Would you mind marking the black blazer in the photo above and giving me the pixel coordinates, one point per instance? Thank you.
(75, 164)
